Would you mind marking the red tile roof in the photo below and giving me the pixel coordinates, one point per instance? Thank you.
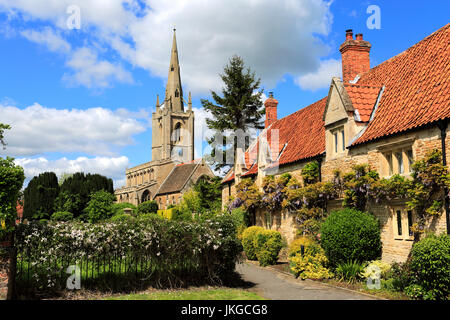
(417, 87)
(301, 135)
(363, 99)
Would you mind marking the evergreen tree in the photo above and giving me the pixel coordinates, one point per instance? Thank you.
(3, 127)
(240, 107)
(210, 192)
(40, 195)
(76, 191)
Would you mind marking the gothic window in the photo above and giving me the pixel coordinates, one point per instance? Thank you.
(177, 133)
(177, 94)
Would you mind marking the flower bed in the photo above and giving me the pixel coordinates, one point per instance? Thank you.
(126, 253)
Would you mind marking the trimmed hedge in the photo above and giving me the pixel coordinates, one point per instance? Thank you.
(62, 216)
(248, 241)
(350, 234)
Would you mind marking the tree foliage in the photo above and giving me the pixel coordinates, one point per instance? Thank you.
(209, 190)
(11, 181)
(3, 127)
(100, 206)
(40, 196)
(78, 188)
(239, 107)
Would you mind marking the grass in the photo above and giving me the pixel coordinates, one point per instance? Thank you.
(191, 294)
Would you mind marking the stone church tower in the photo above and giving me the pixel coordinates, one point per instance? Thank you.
(172, 170)
(173, 127)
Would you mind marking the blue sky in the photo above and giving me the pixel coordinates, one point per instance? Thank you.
(81, 99)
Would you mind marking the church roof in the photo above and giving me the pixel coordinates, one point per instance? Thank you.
(177, 179)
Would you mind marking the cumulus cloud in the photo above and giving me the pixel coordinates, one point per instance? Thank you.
(322, 77)
(89, 71)
(274, 37)
(110, 167)
(96, 131)
(49, 38)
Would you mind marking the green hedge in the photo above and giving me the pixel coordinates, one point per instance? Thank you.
(430, 267)
(268, 244)
(350, 234)
(248, 241)
(262, 245)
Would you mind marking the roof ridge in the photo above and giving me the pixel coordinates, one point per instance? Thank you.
(427, 38)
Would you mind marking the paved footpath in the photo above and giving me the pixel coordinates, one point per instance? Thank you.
(275, 285)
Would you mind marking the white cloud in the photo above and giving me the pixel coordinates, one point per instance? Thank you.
(96, 131)
(274, 37)
(49, 38)
(113, 168)
(322, 77)
(89, 71)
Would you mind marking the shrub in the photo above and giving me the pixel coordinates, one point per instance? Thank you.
(147, 207)
(118, 208)
(175, 253)
(121, 217)
(169, 214)
(62, 216)
(350, 234)
(430, 265)
(295, 246)
(312, 264)
(401, 276)
(100, 206)
(240, 218)
(377, 266)
(350, 271)
(248, 241)
(268, 244)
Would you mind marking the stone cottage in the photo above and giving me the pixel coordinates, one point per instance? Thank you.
(387, 116)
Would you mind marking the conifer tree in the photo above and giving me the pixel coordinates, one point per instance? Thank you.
(240, 107)
(40, 195)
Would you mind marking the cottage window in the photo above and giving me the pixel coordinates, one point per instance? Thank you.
(338, 140)
(403, 220)
(335, 142)
(398, 162)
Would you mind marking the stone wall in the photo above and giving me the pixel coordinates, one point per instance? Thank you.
(5, 265)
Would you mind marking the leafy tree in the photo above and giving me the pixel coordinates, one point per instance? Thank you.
(11, 181)
(40, 195)
(3, 127)
(147, 207)
(210, 192)
(68, 202)
(82, 185)
(100, 206)
(239, 108)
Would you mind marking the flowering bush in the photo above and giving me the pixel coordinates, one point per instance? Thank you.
(312, 264)
(167, 253)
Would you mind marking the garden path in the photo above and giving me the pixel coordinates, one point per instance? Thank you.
(275, 285)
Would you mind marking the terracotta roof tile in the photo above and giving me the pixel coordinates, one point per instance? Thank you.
(417, 87)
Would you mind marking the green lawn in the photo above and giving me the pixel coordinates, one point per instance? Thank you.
(192, 294)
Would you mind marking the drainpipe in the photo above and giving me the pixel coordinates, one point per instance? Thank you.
(442, 125)
(319, 161)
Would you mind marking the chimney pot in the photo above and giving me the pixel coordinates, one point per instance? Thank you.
(355, 56)
(349, 34)
(271, 105)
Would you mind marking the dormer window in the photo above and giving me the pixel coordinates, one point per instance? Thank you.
(338, 140)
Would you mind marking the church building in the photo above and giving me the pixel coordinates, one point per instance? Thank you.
(173, 169)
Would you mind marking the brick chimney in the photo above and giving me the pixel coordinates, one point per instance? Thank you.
(271, 110)
(355, 56)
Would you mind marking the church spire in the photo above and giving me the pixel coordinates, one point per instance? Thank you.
(174, 91)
